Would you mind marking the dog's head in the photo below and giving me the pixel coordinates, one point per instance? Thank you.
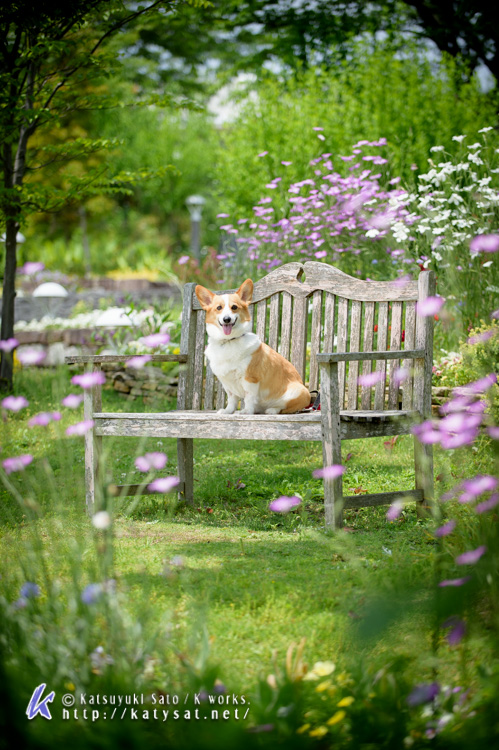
(227, 315)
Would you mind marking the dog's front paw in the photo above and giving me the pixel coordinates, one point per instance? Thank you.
(227, 410)
(247, 411)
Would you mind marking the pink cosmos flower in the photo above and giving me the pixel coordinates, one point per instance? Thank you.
(429, 306)
(284, 504)
(321, 254)
(80, 428)
(401, 375)
(477, 386)
(454, 581)
(151, 461)
(17, 463)
(8, 345)
(370, 378)
(14, 403)
(31, 267)
(493, 432)
(394, 510)
(317, 128)
(481, 337)
(264, 153)
(183, 260)
(287, 163)
(472, 556)
(164, 484)
(477, 486)
(484, 243)
(89, 379)
(446, 529)
(457, 632)
(329, 472)
(155, 339)
(138, 362)
(223, 216)
(321, 137)
(31, 357)
(72, 401)
(487, 504)
(44, 418)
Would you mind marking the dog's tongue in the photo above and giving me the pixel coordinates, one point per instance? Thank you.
(227, 330)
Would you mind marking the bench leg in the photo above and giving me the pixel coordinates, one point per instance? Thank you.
(92, 402)
(185, 460)
(423, 467)
(331, 445)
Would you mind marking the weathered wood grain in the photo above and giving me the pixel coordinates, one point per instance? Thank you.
(409, 343)
(365, 397)
(273, 341)
(395, 344)
(299, 335)
(285, 343)
(187, 345)
(331, 443)
(209, 388)
(198, 356)
(112, 358)
(261, 314)
(379, 391)
(315, 336)
(359, 356)
(353, 369)
(381, 498)
(342, 337)
(92, 401)
(329, 323)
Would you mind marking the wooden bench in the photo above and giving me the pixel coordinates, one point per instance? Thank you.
(354, 327)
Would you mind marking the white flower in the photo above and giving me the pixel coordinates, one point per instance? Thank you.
(372, 233)
(475, 158)
(486, 130)
(475, 145)
(487, 265)
(101, 520)
(458, 138)
(437, 256)
(437, 148)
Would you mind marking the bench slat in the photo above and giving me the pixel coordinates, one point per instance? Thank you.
(197, 385)
(285, 345)
(365, 398)
(261, 314)
(315, 335)
(379, 391)
(329, 322)
(299, 335)
(274, 322)
(395, 344)
(342, 337)
(410, 343)
(381, 498)
(353, 368)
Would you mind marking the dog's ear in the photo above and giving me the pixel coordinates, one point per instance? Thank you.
(204, 296)
(245, 291)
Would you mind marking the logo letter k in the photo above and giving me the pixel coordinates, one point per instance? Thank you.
(38, 706)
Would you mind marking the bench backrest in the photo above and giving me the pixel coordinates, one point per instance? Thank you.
(302, 309)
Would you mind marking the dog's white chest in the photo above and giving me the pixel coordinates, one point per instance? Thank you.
(229, 360)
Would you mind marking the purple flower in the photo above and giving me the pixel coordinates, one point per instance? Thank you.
(264, 153)
(493, 432)
(472, 556)
(139, 362)
(370, 379)
(91, 593)
(80, 428)
(287, 163)
(457, 632)
(321, 254)
(454, 581)
(30, 590)
(44, 418)
(151, 461)
(479, 485)
(284, 504)
(72, 401)
(487, 504)
(484, 243)
(17, 463)
(446, 529)
(423, 694)
(185, 258)
(481, 337)
(31, 357)
(30, 268)
(329, 472)
(14, 403)
(394, 510)
(477, 386)
(155, 339)
(429, 306)
(89, 379)
(165, 484)
(8, 345)
(400, 375)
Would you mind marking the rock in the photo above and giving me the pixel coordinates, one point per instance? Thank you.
(121, 387)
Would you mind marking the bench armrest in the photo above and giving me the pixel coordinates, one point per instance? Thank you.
(99, 359)
(326, 358)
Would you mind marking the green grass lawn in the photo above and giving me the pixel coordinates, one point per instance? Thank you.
(253, 580)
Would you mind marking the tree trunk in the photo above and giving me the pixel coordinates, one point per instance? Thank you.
(9, 294)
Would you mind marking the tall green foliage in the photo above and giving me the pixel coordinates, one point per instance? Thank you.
(411, 101)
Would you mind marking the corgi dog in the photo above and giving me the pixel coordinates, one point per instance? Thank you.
(248, 369)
